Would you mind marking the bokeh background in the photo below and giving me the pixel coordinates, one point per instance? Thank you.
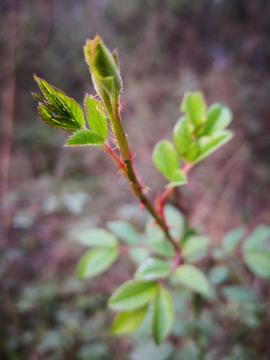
(47, 192)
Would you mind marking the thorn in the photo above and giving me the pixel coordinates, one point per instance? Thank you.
(133, 157)
(142, 206)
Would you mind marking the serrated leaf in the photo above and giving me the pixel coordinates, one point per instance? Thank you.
(179, 178)
(238, 293)
(175, 221)
(128, 321)
(193, 244)
(138, 254)
(218, 118)
(132, 294)
(258, 262)
(85, 138)
(96, 120)
(193, 278)
(58, 110)
(165, 158)
(97, 238)
(231, 239)
(63, 123)
(95, 262)
(257, 238)
(208, 145)
(194, 106)
(152, 269)
(124, 231)
(163, 315)
(218, 274)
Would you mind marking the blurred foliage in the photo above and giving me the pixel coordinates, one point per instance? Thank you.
(167, 47)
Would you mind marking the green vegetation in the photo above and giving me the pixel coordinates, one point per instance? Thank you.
(171, 257)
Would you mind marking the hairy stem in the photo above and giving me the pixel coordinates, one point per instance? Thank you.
(131, 175)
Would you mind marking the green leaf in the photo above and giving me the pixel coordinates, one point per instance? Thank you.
(183, 139)
(178, 179)
(257, 238)
(138, 254)
(259, 262)
(175, 221)
(238, 293)
(95, 262)
(148, 351)
(218, 274)
(218, 118)
(85, 138)
(193, 105)
(127, 321)
(208, 145)
(124, 231)
(156, 240)
(193, 278)
(165, 158)
(193, 245)
(163, 315)
(152, 269)
(97, 238)
(96, 120)
(231, 239)
(57, 109)
(132, 294)
(57, 123)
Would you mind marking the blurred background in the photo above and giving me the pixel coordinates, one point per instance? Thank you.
(47, 192)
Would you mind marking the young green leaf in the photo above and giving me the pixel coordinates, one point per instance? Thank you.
(194, 106)
(124, 231)
(218, 274)
(138, 254)
(193, 245)
(193, 278)
(95, 262)
(97, 238)
(218, 118)
(208, 145)
(128, 321)
(231, 239)
(163, 315)
(257, 238)
(132, 294)
(85, 138)
(57, 109)
(165, 158)
(178, 179)
(238, 293)
(152, 269)
(182, 136)
(96, 120)
(258, 262)
(175, 221)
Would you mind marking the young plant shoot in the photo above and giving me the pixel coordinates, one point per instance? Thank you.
(169, 255)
